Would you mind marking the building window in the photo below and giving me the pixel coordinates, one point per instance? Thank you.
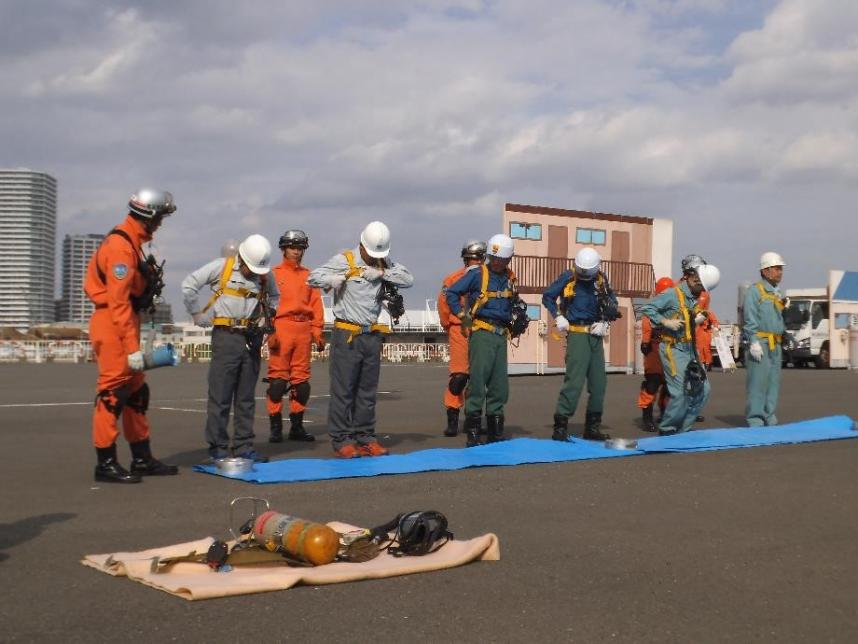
(593, 236)
(519, 230)
(534, 312)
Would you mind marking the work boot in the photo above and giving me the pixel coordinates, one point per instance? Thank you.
(452, 422)
(276, 422)
(648, 421)
(296, 430)
(561, 428)
(592, 423)
(109, 470)
(145, 464)
(473, 427)
(494, 429)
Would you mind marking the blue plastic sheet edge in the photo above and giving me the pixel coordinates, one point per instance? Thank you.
(532, 450)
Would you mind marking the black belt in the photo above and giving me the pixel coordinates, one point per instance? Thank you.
(582, 322)
(230, 329)
(101, 306)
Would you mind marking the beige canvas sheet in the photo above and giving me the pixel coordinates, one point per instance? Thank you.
(197, 581)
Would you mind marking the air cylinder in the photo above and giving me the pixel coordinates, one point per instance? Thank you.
(298, 539)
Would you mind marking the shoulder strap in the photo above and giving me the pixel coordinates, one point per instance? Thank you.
(222, 289)
(121, 233)
(683, 309)
(770, 297)
(484, 291)
(354, 270)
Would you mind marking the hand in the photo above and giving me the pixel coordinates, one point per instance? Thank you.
(372, 274)
(672, 324)
(273, 342)
(562, 323)
(700, 318)
(646, 347)
(201, 319)
(336, 281)
(319, 341)
(135, 361)
(599, 329)
(467, 321)
(756, 351)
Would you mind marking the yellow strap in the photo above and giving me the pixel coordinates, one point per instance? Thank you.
(485, 326)
(485, 296)
(770, 297)
(357, 329)
(223, 290)
(683, 309)
(772, 338)
(669, 341)
(231, 321)
(354, 269)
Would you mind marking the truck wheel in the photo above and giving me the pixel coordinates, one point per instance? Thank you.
(823, 360)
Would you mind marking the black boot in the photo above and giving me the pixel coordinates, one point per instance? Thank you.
(473, 427)
(648, 421)
(494, 429)
(592, 423)
(296, 429)
(145, 464)
(561, 428)
(109, 471)
(276, 421)
(452, 422)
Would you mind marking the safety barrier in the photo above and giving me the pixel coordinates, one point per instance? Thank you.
(40, 351)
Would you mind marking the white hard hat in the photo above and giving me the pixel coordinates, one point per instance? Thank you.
(769, 259)
(709, 276)
(375, 239)
(255, 251)
(500, 246)
(587, 262)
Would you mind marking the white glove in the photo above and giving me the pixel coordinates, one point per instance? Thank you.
(756, 351)
(700, 318)
(371, 274)
(135, 361)
(562, 324)
(599, 329)
(336, 281)
(672, 324)
(201, 319)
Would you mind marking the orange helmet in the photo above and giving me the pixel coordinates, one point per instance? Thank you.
(703, 300)
(663, 284)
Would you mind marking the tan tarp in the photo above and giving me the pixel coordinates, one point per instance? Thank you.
(197, 581)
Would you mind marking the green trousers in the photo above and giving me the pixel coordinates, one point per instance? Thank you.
(585, 360)
(489, 383)
(762, 386)
(683, 409)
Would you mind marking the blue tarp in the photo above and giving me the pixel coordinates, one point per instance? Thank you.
(531, 450)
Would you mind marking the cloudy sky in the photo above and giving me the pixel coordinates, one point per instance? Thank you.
(735, 118)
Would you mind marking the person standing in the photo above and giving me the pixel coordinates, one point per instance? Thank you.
(588, 306)
(298, 325)
(653, 385)
(686, 379)
(122, 282)
(473, 256)
(357, 279)
(763, 330)
(239, 309)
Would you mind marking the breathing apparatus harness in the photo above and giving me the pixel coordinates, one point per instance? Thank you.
(695, 374)
(608, 310)
(149, 268)
(388, 294)
(519, 321)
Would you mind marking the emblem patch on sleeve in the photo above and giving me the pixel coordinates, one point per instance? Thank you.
(120, 271)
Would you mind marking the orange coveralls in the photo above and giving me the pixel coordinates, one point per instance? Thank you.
(298, 324)
(458, 342)
(653, 370)
(114, 330)
(703, 332)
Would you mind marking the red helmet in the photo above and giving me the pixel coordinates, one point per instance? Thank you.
(663, 284)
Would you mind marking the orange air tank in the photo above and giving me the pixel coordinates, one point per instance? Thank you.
(299, 539)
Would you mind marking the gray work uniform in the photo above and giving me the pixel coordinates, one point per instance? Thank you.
(234, 367)
(355, 356)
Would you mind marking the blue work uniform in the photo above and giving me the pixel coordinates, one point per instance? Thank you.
(764, 324)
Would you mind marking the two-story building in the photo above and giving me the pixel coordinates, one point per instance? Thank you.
(634, 250)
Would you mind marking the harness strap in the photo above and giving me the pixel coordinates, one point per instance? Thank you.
(231, 321)
(669, 341)
(358, 329)
(486, 295)
(485, 326)
(771, 337)
(121, 233)
(222, 288)
(770, 297)
(354, 269)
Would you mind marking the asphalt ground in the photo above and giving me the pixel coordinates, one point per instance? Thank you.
(740, 545)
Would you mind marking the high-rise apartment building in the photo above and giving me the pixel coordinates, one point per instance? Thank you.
(28, 223)
(77, 249)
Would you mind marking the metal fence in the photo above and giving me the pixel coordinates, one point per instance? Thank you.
(81, 351)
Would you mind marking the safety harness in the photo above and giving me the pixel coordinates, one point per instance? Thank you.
(567, 296)
(774, 339)
(152, 274)
(486, 295)
(357, 329)
(224, 289)
(670, 340)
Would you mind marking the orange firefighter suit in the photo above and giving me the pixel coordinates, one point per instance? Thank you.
(654, 384)
(298, 325)
(116, 274)
(454, 396)
(703, 332)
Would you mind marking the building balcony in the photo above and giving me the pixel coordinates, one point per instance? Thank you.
(628, 279)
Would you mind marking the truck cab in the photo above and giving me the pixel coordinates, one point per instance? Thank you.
(807, 322)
